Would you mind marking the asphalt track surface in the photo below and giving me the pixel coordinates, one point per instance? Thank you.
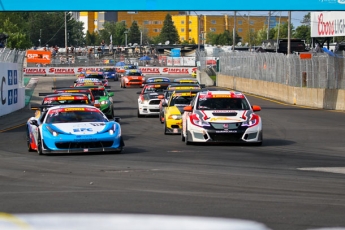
(295, 180)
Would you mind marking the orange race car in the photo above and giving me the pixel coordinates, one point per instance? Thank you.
(132, 78)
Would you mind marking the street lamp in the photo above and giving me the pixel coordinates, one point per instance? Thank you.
(126, 32)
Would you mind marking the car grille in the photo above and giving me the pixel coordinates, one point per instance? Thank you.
(135, 80)
(226, 137)
(78, 145)
(154, 102)
(154, 110)
(226, 125)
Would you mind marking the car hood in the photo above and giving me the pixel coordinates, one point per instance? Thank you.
(81, 128)
(221, 116)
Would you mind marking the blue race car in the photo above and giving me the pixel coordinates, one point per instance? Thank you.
(73, 129)
(110, 73)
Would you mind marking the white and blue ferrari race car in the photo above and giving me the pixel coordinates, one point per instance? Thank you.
(73, 129)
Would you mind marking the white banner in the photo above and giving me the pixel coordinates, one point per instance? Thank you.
(56, 71)
(12, 95)
(327, 24)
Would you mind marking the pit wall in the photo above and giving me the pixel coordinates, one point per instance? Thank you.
(333, 99)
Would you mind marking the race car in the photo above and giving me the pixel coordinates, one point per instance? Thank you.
(87, 82)
(120, 70)
(223, 117)
(148, 102)
(73, 129)
(92, 75)
(156, 80)
(167, 93)
(110, 73)
(132, 78)
(173, 110)
(80, 90)
(103, 99)
(186, 80)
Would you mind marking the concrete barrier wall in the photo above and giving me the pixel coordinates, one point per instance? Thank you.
(312, 97)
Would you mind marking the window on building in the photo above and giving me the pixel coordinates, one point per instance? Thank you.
(146, 22)
(182, 38)
(182, 22)
(240, 30)
(156, 30)
(190, 22)
(252, 30)
(182, 29)
(190, 30)
(239, 22)
(213, 29)
(251, 22)
(156, 22)
(213, 22)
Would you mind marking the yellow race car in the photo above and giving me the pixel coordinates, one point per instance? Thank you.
(174, 108)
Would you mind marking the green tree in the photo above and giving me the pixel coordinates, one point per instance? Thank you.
(169, 31)
(134, 33)
(281, 31)
(303, 32)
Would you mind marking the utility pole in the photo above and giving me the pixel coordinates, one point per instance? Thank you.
(234, 33)
(289, 33)
(40, 37)
(66, 31)
(268, 25)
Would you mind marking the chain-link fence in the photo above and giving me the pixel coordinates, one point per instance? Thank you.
(14, 56)
(320, 71)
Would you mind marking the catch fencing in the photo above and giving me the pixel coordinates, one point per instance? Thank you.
(14, 56)
(320, 71)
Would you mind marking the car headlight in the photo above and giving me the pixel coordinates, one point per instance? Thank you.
(144, 102)
(112, 74)
(175, 116)
(55, 133)
(252, 121)
(104, 102)
(198, 122)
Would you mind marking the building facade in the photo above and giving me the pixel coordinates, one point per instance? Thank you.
(191, 28)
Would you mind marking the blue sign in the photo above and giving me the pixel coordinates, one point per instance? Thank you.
(15, 77)
(15, 96)
(160, 5)
(10, 77)
(10, 97)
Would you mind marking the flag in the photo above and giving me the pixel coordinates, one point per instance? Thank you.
(111, 39)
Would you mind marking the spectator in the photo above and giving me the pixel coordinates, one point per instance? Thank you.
(102, 46)
(72, 49)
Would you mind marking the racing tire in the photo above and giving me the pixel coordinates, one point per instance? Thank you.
(28, 141)
(186, 138)
(165, 129)
(183, 138)
(139, 115)
(39, 145)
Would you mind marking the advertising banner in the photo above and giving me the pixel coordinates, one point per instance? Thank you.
(159, 5)
(12, 95)
(327, 24)
(38, 56)
(56, 71)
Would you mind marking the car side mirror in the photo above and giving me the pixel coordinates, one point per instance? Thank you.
(117, 119)
(256, 108)
(34, 122)
(164, 104)
(188, 108)
(111, 94)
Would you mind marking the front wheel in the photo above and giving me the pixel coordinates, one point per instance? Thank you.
(28, 141)
(39, 145)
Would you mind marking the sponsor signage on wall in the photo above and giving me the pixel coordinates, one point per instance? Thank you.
(152, 5)
(45, 71)
(38, 56)
(11, 95)
(327, 24)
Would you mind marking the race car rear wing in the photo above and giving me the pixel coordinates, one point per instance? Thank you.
(81, 87)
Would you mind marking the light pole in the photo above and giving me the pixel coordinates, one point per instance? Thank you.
(40, 40)
(126, 32)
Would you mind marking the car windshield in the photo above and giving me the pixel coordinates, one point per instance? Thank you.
(66, 102)
(75, 116)
(181, 100)
(100, 93)
(223, 104)
(133, 74)
(95, 76)
(109, 70)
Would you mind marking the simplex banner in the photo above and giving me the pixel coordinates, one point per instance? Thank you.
(56, 71)
(159, 5)
(327, 24)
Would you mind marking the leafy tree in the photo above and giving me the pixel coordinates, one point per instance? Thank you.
(306, 19)
(281, 31)
(303, 32)
(92, 38)
(134, 33)
(169, 31)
